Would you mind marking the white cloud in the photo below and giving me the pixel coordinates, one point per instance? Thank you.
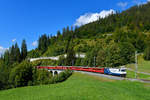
(13, 40)
(2, 50)
(35, 43)
(91, 17)
(139, 2)
(122, 4)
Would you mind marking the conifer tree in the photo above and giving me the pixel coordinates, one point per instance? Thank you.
(70, 59)
(17, 53)
(23, 50)
(43, 43)
(12, 54)
(58, 33)
(7, 57)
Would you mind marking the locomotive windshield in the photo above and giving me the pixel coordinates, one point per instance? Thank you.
(123, 70)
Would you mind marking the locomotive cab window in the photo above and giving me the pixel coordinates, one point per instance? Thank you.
(123, 70)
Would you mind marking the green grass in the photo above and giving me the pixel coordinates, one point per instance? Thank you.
(81, 87)
(143, 65)
(131, 74)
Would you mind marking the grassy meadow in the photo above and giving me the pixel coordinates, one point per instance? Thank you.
(131, 74)
(81, 87)
(143, 65)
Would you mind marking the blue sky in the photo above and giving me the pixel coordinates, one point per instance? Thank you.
(28, 19)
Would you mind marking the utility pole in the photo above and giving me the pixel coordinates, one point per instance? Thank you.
(94, 61)
(72, 62)
(136, 66)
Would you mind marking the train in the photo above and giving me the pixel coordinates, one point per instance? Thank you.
(121, 72)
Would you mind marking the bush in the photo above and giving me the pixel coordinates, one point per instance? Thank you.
(4, 75)
(44, 62)
(21, 74)
(25, 74)
(41, 76)
(64, 75)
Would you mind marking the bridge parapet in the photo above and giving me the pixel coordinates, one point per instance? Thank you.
(54, 58)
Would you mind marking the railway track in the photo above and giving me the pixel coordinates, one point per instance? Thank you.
(114, 77)
(115, 74)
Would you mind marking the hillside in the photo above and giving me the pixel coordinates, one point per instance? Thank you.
(128, 30)
(81, 87)
(136, 18)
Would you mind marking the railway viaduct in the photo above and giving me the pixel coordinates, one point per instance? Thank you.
(55, 71)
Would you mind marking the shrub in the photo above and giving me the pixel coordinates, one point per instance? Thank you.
(21, 74)
(25, 74)
(41, 76)
(64, 75)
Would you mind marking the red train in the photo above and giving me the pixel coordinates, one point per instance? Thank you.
(109, 71)
(87, 69)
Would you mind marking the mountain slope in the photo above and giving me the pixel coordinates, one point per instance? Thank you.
(135, 18)
(128, 30)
